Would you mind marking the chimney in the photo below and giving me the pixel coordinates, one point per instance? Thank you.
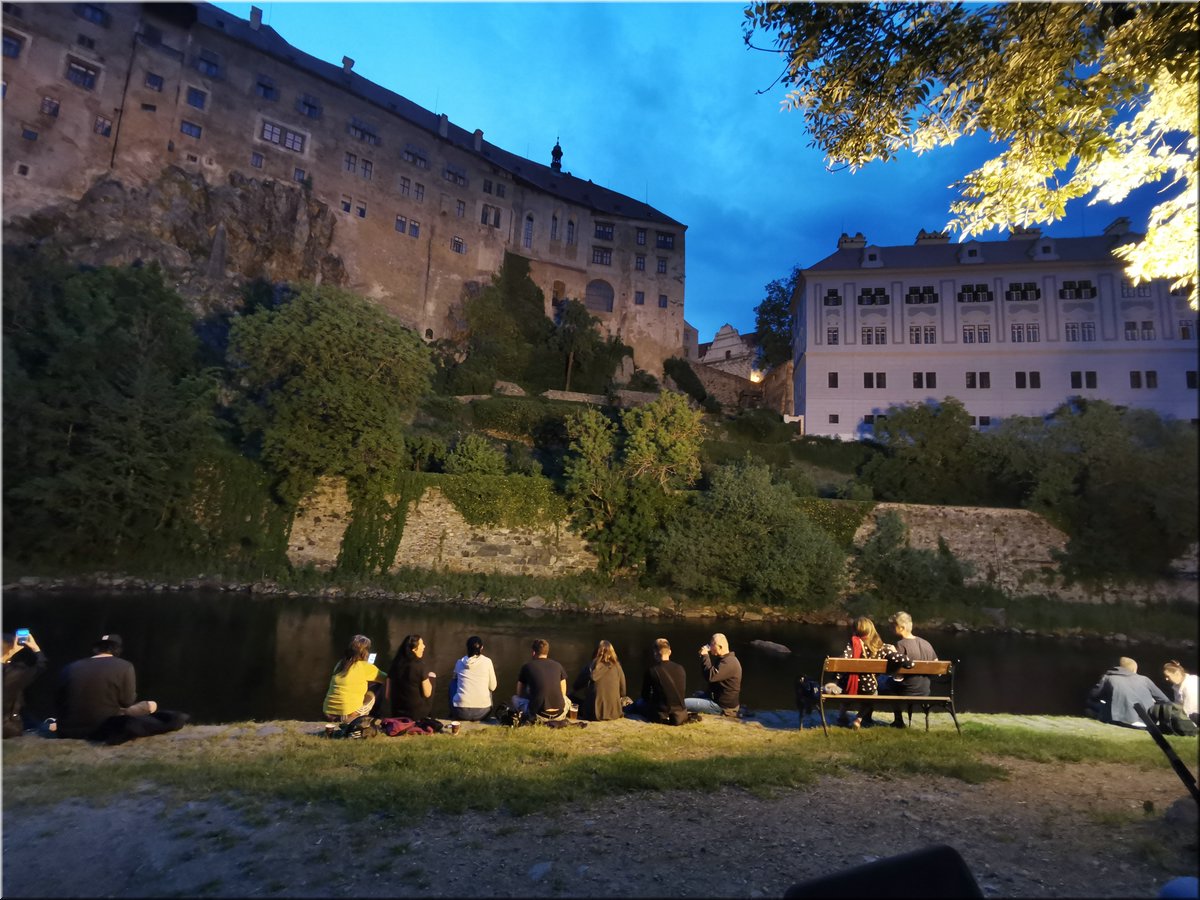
(932, 237)
(255, 18)
(478, 139)
(444, 125)
(845, 242)
(1118, 226)
(347, 64)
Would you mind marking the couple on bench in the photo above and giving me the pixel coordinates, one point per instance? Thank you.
(865, 643)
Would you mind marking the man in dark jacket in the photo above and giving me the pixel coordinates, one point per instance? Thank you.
(23, 662)
(542, 685)
(723, 674)
(664, 688)
(1115, 693)
(97, 699)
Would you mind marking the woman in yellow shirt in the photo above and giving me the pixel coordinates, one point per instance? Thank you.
(350, 695)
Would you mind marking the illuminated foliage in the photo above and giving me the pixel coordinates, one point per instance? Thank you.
(1087, 99)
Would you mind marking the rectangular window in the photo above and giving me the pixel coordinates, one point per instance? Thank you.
(1035, 381)
(1033, 333)
(921, 294)
(366, 168)
(880, 334)
(84, 41)
(604, 231)
(499, 189)
(869, 380)
(1131, 331)
(401, 224)
(914, 334)
(405, 186)
(1191, 379)
(277, 134)
(833, 418)
(308, 105)
(460, 208)
(930, 334)
(1187, 329)
(831, 336)
(361, 131)
(350, 162)
(639, 298)
(832, 298)
(50, 107)
(12, 46)
(662, 265)
(487, 185)
(1076, 381)
(347, 201)
(414, 228)
(874, 297)
(208, 64)
(81, 74)
(1135, 380)
(662, 301)
(92, 13)
(968, 334)
(458, 245)
(298, 175)
(1071, 331)
(867, 335)
(972, 382)
(1022, 290)
(554, 228)
(931, 380)
(833, 379)
(1087, 330)
(918, 379)
(1018, 333)
(1021, 380)
(265, 88)
(1152, 380)
(602, 256)
(256, 160)
(868, 420)
(272, 133)
(148, 107)
(527, 233)
(664, 240)
(641, 237)
(1147, 331)
(455, 175)
(985, 333)
(154, 81)
(570, 232)
(360, 209)
(293, 141)
(191, 129)
(1089, 379)
(985, 380)
(102, 126)
(419, 192)
(639, 262)
(196, 98)
(985, 421)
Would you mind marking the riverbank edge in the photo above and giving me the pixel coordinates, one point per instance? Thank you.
(833, 615)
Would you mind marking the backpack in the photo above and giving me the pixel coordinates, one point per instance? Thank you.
(362, 727)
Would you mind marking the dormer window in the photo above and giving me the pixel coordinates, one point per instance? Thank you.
(208, 64)
(308, 105)
(455, 175)
(874, 297)
(416, 155)
(362, 131)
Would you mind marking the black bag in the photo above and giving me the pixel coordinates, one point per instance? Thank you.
(506, 715)
(1171, 719)
(362, 727)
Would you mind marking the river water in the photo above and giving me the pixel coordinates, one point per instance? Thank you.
(224, 656)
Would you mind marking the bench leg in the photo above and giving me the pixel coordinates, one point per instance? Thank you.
(926, 706)
(955, 719)
(824, 724)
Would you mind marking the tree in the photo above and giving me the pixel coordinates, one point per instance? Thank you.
(575, 335)
(106, 410)
(1096, 98)
(329, 381)
(773, 321)
(620, 481)
(476, 455)
(746, 537)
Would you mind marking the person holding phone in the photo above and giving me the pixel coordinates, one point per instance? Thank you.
(350, 695)
(23, 663)
(410, 683)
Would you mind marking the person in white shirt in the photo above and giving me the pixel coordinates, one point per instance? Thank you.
(474, 681)
(1185, 687)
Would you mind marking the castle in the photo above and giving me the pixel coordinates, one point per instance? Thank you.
(1010, 327)
(413, 209)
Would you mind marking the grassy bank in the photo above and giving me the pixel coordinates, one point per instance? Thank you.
(528, 769)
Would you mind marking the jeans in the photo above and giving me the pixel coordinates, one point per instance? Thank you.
(704, 705)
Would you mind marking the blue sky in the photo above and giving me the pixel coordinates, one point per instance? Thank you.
(657, 101)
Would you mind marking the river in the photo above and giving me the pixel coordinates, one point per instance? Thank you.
(224, 656)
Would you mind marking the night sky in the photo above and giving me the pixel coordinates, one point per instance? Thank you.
(658, 101)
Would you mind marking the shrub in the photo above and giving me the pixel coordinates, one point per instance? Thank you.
(475, 455)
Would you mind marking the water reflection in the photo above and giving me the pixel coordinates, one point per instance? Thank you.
(227, 657)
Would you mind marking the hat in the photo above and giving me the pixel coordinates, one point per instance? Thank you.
(108, 643)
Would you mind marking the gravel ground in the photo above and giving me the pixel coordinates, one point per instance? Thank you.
(1047, 831)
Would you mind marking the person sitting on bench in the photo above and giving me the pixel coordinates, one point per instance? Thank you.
(541, 685)
(917, 649)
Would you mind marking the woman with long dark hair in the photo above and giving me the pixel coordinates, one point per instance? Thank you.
(601, 685)
(409, 681)
(350, 695)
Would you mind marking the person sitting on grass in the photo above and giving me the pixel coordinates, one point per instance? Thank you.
(723, 673)
(23, 662)
(350, 695)
(97, 700)
(1185, 687)
(1114, 695)
(541, 685)
(601, 685)
(409, 681)
(664, 688)
(474, 681)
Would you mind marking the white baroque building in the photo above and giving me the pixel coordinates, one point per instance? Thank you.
(1009, 327)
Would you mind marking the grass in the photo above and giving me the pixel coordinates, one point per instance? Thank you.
(534, 769)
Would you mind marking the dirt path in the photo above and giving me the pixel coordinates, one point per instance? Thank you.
(1047, 831)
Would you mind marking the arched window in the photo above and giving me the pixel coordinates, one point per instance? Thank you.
(527, 240)
(554, 228)
(570, 231)
(599, 296)
(429, 334)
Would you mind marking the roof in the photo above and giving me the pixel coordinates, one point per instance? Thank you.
(600, 199)
(1003, 252)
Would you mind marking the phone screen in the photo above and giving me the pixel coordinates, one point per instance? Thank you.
(371, 658)
(22, 635)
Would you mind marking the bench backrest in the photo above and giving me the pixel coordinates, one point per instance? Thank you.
(840, 665)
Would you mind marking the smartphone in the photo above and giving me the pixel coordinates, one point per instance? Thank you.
(22, 635)
(371, 658)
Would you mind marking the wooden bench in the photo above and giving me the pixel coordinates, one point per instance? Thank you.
(941, 689)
